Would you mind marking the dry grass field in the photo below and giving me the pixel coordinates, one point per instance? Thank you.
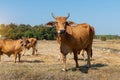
(46, 64)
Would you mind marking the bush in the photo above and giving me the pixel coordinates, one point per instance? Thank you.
(40, 32)
(103, 38)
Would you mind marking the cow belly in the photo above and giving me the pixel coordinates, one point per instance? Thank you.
(9, 54)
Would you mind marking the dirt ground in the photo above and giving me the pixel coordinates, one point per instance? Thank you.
(47, 64)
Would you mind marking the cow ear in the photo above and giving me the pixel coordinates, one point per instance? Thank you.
(21, 42)
(27, 41)
(71, 23)
(50, 24)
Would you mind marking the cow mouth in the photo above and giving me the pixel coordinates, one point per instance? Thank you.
(61, 32)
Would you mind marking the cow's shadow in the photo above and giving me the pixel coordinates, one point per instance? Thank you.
(81, 59)
(84, 69)
(26, 61)
(32, 61)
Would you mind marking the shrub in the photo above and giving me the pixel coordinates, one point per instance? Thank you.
(103, 38)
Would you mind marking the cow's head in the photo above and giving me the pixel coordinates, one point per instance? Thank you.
(61, 23)
(25, 42)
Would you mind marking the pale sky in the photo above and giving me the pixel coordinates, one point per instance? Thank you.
(104, 15)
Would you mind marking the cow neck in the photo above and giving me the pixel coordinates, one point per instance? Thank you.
(69, 30)
(66, 37)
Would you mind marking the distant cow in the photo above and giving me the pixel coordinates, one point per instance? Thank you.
(9, 47)
(73, 39)
(32, 44)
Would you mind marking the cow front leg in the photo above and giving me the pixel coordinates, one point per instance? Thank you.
(76, 58)
(33, 50)
(15, 55)
(64, 62)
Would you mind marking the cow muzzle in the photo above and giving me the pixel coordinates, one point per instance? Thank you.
(61, 31)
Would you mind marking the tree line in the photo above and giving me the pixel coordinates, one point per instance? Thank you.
(14, 31)
(106, 37)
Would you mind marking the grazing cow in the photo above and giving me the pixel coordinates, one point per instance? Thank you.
(32, 44)
(73, 39)
(15, 47)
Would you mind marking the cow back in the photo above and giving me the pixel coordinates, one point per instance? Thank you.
(10, 46)
(80, 36)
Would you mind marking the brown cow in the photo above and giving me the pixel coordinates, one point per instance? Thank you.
(32, 44)
(73, 39)
(71, 24)
(10, 47)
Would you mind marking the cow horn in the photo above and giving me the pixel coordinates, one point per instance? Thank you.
(68, 15)
(53, 16)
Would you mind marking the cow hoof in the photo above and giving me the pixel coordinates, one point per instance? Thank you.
(77, 69)
(88, 66)
(64, 70)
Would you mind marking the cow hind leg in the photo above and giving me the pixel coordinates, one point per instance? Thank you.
(88, 55)
(36, 50)
(91, 54)
(19, 56)
(76, 58)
